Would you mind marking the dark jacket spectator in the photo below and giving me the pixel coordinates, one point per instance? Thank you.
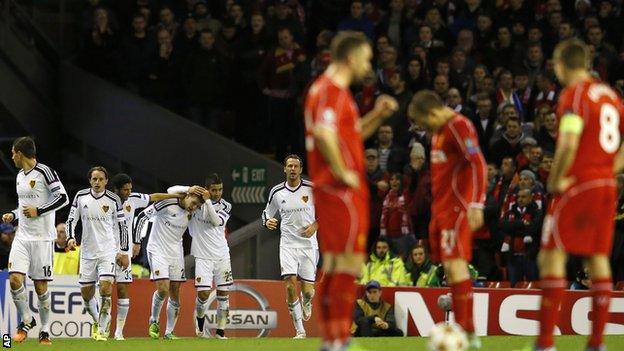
(509, 145)
(187, 39)
(484, 122)
(138, 50)
(203, 73)
(357, 21)
(417, 182)
(392, 157)
(373, 316)
(378, 186)
(101, 44)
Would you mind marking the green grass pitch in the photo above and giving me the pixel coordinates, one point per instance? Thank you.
(492, 343)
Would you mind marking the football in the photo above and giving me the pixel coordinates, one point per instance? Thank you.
(447, 337)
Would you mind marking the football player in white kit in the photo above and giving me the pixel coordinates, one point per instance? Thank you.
(299, 252)
(122, 186)
(165, 255)
(211, 252)
(104, 241)
(40, 195)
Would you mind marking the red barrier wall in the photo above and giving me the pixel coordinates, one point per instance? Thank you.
(497, 311)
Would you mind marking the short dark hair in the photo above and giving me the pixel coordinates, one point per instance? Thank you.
(572, 53)
(213, 179)
(25, 145)
(424, 102)
(120, 179)
(345, 43)
(294, 157)
(97, 168)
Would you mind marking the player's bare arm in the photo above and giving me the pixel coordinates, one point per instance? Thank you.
(327, 141)
(567, 145)
(385, 106)
(475, 218)
(310, 230)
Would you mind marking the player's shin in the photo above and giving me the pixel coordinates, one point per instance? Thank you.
(601, 298)
(44, 311)
(223, 310)
(92, 308)
(20, 298)
(157, 302)
(173, 312)
(552, 294)
(123, 305)
(297, 316)
(105, 315)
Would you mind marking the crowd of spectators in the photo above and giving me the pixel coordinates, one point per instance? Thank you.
(247, 64)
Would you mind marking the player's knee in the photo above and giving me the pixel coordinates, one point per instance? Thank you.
(41, 287)
(16, 281)
(122, 291)
(203, 295)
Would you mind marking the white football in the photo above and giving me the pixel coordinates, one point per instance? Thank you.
(447, 337)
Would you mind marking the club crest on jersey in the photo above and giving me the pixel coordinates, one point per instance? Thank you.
(105, 208)
(471, 147)
(32, 183)
(198, 279)
(157, 272)
(128, 208)
(189, 216)
(305, 199)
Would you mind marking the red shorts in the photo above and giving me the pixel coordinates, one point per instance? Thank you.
(342, 216)
(581, 221)
(450, 237)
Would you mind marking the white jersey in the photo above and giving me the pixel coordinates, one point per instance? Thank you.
(40, 187)
(170, 223)
(129, 207)
(102, 222)
(296, 209)
(207, 228)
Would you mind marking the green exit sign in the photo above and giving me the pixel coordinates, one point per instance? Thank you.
(249, 175)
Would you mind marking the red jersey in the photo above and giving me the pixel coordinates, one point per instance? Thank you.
(333, 107)
(458, 169)
(600, 108)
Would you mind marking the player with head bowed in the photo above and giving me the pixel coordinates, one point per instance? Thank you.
(212, 254)
(165, 255)
(458, 186)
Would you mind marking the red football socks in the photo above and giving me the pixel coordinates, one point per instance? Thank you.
(340, 305)
(323, 294)
(601, 297)
(552, 294)
(462, 304)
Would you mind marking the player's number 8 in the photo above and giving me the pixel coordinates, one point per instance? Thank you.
(609, 128)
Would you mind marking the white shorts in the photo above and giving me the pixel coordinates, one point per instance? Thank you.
(32, 258)
(166, 268)
(93, 270)
(299, 262)
(208, 270)
(124, 275)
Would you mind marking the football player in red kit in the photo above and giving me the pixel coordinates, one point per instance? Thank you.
(334, 141)
(458, 186)
(580, 219)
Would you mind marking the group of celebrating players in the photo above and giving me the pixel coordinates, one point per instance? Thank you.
(336, 204)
